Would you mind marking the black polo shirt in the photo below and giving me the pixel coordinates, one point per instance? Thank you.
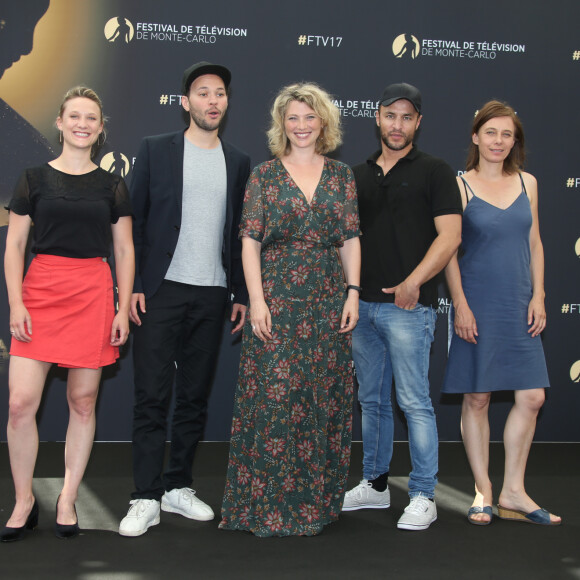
(396, 216)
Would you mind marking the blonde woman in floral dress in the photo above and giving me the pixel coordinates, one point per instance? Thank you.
(291, 430)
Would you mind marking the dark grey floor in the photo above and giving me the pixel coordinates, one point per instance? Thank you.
(362, 544)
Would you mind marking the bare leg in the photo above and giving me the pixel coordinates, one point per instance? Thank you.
(518, 435)
(82, 391)
(475, 431)
(26, 381)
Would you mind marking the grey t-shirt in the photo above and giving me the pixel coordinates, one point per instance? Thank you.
(198, 256)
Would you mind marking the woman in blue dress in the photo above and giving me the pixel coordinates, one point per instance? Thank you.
(497, 287)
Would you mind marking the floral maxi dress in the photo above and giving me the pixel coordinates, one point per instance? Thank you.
(292, 422)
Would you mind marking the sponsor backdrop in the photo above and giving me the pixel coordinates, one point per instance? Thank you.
(133, 52)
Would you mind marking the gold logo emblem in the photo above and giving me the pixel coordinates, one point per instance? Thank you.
(119, 29)
(115, 162)
(406, 46)
(575, 372)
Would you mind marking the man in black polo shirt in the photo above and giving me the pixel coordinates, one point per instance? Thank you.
(410, 213)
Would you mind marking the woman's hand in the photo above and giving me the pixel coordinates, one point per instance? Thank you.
(465, 324)
(261, 320)
(536, 316)
(349, 312)
(20, 323)
(120, 329)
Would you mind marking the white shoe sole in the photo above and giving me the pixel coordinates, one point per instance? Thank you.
(366, 507)
(414, 527)
(136, 533)
(201, 518)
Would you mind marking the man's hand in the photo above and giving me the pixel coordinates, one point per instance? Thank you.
(406, 295)
(136, 299)
(238, 310)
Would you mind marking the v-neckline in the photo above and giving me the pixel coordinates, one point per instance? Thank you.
(497, 206)
(308, 203)
(473, 195)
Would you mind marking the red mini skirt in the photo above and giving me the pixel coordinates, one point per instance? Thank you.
(71, 305)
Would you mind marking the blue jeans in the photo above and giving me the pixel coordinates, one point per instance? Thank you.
(391, 342)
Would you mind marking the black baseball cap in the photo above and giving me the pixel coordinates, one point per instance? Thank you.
(401, 91)
(204, 68)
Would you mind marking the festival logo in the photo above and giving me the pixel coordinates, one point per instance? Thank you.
(364, 107)
(115, 162)
(119, 29)
(406, 46)
(444, 304)
(575, 372)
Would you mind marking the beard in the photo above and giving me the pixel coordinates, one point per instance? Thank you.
(203, 123)
(407, 140)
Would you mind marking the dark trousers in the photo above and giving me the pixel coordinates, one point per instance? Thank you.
(178, 341)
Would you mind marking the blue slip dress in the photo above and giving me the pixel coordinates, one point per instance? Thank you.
(496, 278)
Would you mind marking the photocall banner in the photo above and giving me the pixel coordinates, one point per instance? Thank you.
(133, 53)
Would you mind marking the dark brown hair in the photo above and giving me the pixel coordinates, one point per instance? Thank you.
(515, 160)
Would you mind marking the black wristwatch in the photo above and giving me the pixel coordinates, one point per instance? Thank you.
(353, 287)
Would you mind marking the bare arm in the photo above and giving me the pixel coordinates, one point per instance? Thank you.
(350, 258)
(465, 324)
(125, 270)
(16, 239)
(536, 308)
(437, 257)
(260, 316)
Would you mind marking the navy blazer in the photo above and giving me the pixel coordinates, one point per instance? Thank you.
(156, 194)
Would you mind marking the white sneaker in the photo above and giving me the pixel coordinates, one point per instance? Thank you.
(419, 514)
(184, 502)
(142, 514)
(363, 496)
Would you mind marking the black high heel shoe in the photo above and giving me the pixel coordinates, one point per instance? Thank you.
(16, 534)
(66, 531)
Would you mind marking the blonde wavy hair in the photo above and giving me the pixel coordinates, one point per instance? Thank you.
(320, 102)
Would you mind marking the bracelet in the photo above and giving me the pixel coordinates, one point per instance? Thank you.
(353, 287)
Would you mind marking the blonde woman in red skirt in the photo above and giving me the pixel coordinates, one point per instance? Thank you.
(63, 312)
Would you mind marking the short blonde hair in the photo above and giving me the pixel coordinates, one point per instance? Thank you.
(320, 102)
